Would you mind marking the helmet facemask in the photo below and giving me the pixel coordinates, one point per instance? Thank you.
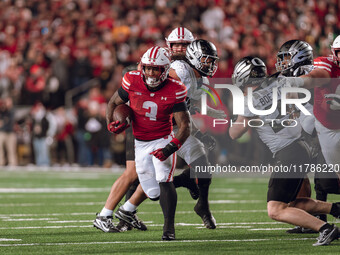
(207, 65)
(202, 56)
(155, 80)
(335, 48)
(336, 56)
(178, 54)
(284, 61)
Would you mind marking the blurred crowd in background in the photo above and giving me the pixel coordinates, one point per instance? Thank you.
(61, 61)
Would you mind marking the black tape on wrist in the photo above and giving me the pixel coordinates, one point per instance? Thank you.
(169, 149)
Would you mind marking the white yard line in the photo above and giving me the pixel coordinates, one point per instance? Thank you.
(152, 242)
(93, 213)
(53, 190)
(30, 219)
(232, 224)
(8, 239)
(149, 203)
(267, 229)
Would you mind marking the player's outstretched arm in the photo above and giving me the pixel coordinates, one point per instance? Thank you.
(316, 78)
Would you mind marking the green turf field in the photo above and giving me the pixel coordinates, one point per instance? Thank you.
(52, 213)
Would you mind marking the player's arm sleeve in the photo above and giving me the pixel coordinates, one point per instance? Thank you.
(321, 64)
(180, 104)
(180, 107)
(123, 94)
(125, 88)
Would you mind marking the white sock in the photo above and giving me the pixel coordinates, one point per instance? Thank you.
(106, 212)
(129, 207)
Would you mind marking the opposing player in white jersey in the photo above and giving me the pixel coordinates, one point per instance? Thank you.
(200, 62)
(326, 101)
(287, 148)
(295, 58)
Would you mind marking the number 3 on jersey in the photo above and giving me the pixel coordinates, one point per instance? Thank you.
(153, 109)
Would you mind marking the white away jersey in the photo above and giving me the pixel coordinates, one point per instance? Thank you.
(272, 133)
(187, 75)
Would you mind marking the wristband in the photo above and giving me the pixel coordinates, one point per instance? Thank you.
(177, 142)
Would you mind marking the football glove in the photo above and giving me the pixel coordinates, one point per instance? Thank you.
(294, 82)
(117, 127)
(208, 140)
(163, 153)
(216, 114)
(334, 101)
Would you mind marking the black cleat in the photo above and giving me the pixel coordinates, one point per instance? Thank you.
(301, 230)
(124, 226)
(327, 236)
(207, 218)
(104, 223)
(168, 236)
(130, 218)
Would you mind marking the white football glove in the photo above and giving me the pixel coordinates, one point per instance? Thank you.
(216, 114)
(294, 82)
(334, 101)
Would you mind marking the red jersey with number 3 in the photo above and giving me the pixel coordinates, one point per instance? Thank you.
(327, 117)
(152, 109)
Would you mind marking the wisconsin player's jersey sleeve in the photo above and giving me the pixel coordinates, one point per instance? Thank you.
(126, 88)
(180, 104)
(324, 63)
(181, 92)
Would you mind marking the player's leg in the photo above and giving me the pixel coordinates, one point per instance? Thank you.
(168, 196)
(123, 225)
(184, 180)
(103, 220)
(282, 191)
(191, 150)
(194, 155)
(148, 186)
(131, 190)
(202, 205)
(127, 212)
(305, 191)
(329, 142)
(121, 185)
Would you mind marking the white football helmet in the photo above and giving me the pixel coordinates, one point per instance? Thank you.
(156, 57)
(179, 35)
(335, 47)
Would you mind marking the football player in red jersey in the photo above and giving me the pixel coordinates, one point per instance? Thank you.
(202, 57)
(127, 183)
(154, 99)
(326, 101)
